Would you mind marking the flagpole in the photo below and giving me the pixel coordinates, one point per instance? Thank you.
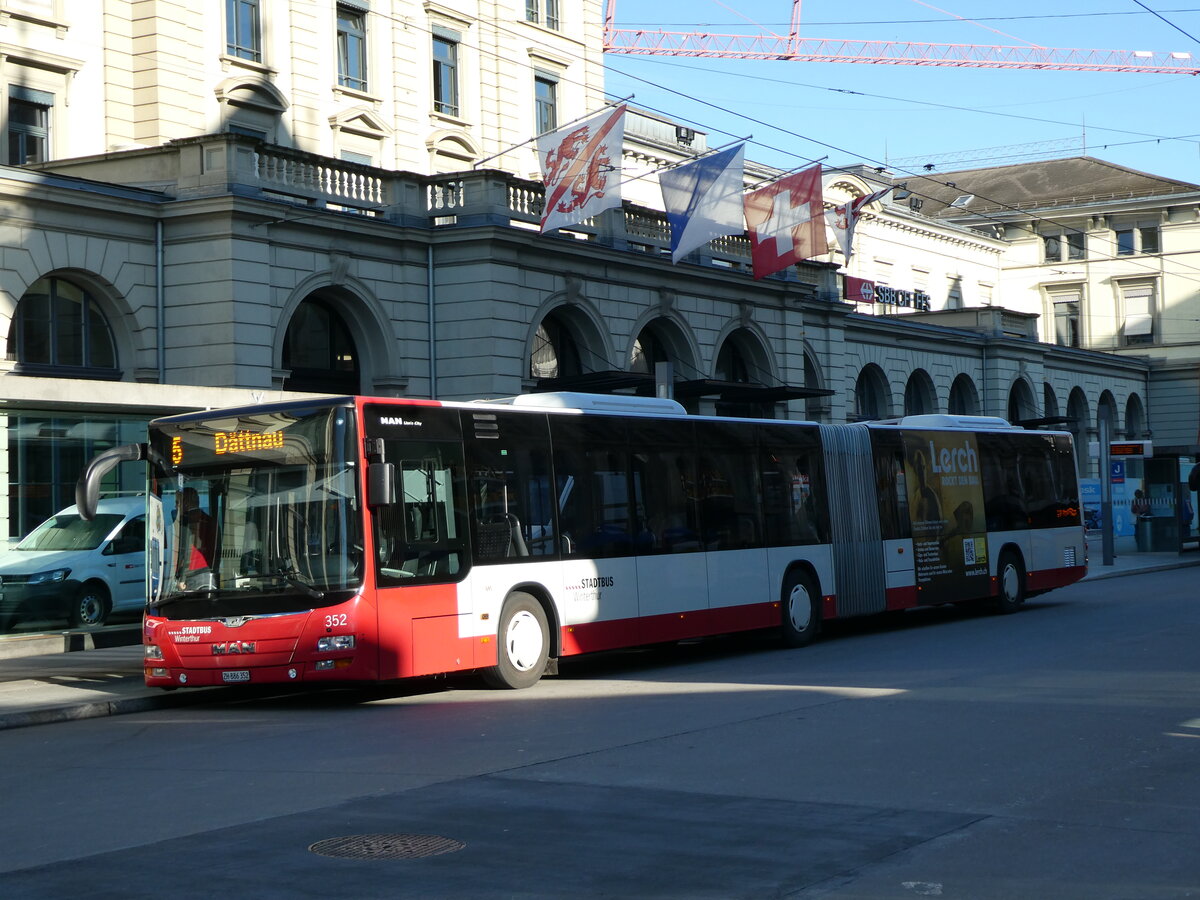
(608, 104)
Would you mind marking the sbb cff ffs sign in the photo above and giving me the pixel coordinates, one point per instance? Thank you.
(860, 290)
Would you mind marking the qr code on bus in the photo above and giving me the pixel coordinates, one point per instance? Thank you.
(969, 551)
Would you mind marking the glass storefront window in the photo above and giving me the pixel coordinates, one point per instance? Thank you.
(44, 452)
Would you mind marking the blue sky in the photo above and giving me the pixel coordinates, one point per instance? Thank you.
(905, 114)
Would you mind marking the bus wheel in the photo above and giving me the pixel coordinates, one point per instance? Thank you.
(523, 644)
(801, 613)
(1012, 583)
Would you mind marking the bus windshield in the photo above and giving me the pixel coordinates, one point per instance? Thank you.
(262, 514)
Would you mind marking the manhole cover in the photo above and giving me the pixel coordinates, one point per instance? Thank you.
(386, 846)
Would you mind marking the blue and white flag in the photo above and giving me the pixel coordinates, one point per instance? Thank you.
(703, 200)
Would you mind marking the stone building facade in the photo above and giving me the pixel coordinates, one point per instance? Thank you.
(194, 226)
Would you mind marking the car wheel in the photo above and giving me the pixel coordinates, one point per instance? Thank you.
(91, 606)
(523, 644)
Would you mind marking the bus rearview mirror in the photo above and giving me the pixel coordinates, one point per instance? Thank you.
(381, 484)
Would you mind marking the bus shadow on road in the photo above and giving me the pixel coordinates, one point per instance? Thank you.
(650, 662)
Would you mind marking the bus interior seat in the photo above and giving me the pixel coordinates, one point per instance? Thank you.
(501, 538)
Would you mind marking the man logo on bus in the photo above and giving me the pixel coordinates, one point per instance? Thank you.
(233, 647)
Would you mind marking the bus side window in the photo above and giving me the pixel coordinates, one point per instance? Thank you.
(595, 486)
(1004, 509)
(421, 535)
(508, 473)
(1067, 487)
(728, 488)
(664, 488)
(891, 485)
(1037, 485)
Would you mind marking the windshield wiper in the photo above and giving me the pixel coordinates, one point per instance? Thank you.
(208, 592)
(291, 575)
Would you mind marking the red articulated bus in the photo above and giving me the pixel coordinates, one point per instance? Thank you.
(359, 539)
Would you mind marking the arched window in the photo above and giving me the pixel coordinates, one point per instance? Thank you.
(58, 330)
(319, 351)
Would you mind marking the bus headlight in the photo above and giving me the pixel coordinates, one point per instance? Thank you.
(333, 642)
(152, 651)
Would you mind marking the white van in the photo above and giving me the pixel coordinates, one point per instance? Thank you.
(78, 570)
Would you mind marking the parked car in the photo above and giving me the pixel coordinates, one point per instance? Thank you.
(78, 570)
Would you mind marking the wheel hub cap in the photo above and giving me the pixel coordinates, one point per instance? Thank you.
(799, 608)
(524, 641)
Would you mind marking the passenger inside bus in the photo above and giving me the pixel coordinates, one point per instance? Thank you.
(198, 539)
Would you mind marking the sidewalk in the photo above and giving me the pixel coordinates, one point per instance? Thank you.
(41, 681)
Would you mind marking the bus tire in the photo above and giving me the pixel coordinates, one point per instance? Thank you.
(1011, 577)
(522, 644)
(801, 610)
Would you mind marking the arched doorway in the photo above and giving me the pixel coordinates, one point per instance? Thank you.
(1021, 405)
(1135, 418)
(1049, 401)
(872, 396)
(1106, 411)
(648, 350)
(920, 398)
(1077, 411)
(555, 352)
(663, 341)
(815, 408)
(319, 351)
(742, 360)
(964, 398)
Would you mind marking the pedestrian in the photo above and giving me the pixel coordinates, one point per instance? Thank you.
(1140, 506)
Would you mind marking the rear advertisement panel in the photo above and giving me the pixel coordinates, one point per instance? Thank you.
(945, 502)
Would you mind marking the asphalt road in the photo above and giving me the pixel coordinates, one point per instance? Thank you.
(1049, 754)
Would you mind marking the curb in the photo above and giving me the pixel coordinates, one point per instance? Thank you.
(1117, 573)
(95, 709)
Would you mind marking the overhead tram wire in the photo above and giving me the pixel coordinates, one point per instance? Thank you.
(814, 24)
(1168, 21)
(1002, 206)
(929, 103)
(864, 158)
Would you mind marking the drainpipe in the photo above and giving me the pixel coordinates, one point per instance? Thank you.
(160, 302)
(430, 296)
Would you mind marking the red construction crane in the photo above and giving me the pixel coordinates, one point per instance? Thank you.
(893, 53)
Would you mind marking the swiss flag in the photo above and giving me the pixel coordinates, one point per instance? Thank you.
(786, 222)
